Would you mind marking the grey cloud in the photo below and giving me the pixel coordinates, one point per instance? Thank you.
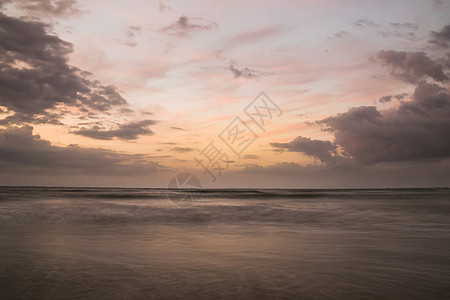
(251, 156)
(325, 151)
(395, 174)
(57, 8)
(407, 25)
(21, 151)
(127, 131)
(35, 75)
(365, 23)
(182, 149)
(185, 26)
(44, 118)
(398, 34)
(255, 36)
(340, 34)
(278, 168)
(177, 128)
(244, 72)
(441, 38)
(163, 7)
(389, 98)
(130, 34)
(133, 30)
(126, 111)
(412, 66)
(415, 130)
(385, 99)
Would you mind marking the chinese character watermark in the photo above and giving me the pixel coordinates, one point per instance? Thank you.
(213, 160)
(184, 188)
(237, 137)
(261, 109)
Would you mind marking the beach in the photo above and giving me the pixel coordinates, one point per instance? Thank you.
(97, 243)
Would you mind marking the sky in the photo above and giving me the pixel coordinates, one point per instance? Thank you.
(241, 94)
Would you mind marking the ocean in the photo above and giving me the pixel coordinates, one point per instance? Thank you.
(117, 243)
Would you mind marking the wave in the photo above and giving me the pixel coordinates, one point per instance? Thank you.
(162, 193)
(140, 206)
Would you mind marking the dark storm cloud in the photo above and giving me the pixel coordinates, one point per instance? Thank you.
(388, 98)
(415, 130)
(412, 66)
(58, 8)
(244, 72)
(441, 38)
(185, 26)
(35, 75)
(127, 131)
(325, 151)
(21, 151)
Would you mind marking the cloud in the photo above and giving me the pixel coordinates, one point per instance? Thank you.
(163, 7)
(21, 151)
(46, 8)
(441, 38)
(407, 25)
(394, 174)
(278, 168)
(185, 26)
(244, 72)
(365, 23)
(398, 34)
(412, 66)
(251, 156)
(133, 30)
(127, 131)
(35, 75)
(130, 34)
(339, 35)
(254, 36)
(182, 149)
(415, 130)
(177, 128)
(389, 98)
(400, 31)
(325, 151)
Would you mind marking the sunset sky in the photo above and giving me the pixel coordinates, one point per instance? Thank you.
(131, 93)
